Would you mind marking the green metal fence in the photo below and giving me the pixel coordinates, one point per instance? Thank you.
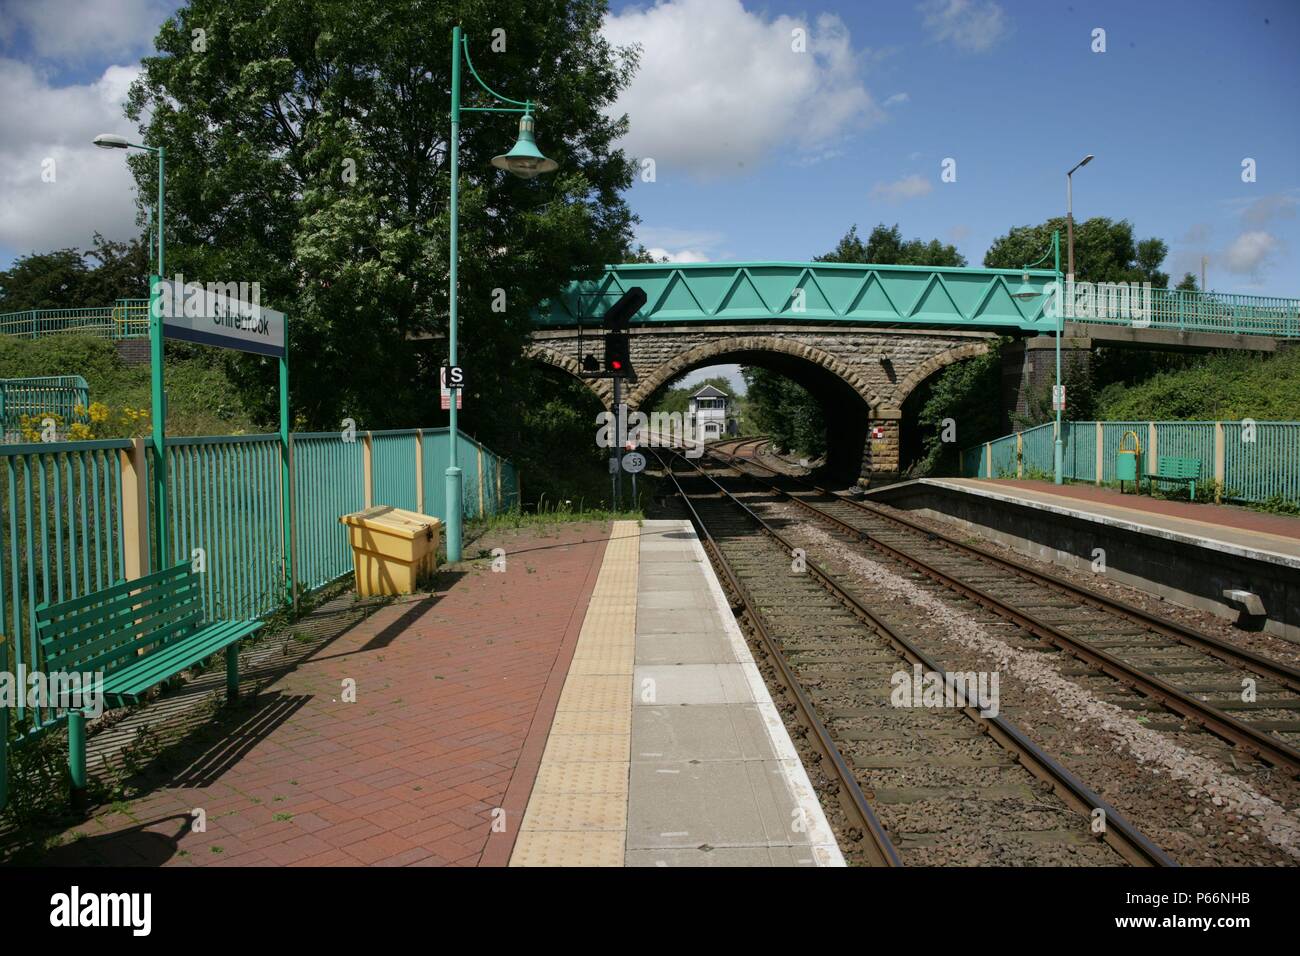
(60, 537)
(63, 517)
(1251, 461)
(59, 395)
(329, 480)
(224, 501)
(124, 319)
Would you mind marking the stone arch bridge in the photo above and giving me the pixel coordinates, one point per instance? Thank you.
(862, 338)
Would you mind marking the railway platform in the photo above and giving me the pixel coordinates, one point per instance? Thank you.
(666, 749)
(595, 704)
(1239, 564)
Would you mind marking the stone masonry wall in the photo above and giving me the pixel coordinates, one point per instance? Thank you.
(882, 366)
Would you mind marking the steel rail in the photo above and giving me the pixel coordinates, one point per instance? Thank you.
(1118, 832)
(1276, 670)
(880, 850)
(1205, 715)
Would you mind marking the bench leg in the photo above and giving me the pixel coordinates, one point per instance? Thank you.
(77, 758)
(232, 672)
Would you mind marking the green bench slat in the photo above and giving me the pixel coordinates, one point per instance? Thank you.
(138, 633)
(152, 669)
(180, 572)
(104, 641)
(1183, 468)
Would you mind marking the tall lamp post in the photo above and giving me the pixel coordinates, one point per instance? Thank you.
(158, 409)
(1069, 213)
(1027, 291)
(524, 160)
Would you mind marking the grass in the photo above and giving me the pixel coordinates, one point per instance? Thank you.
(547, 513)
(200, 397)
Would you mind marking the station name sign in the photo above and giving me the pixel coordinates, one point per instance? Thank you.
(225, 314)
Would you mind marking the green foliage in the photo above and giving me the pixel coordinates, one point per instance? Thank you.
(63, 279)
(786, 412)
(676, 398)
(556, 455)
(1226, 385)
(960, 392)
(885, 246)
(200, 399)
(1080, 390)
(264, 130)
(1104, 251)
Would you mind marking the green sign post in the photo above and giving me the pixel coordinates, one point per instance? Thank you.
(208, 316)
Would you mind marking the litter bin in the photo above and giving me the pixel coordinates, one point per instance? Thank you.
(392, 549)
(1128, 462)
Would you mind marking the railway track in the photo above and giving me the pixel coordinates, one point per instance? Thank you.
(1195, 676)
(935, 785)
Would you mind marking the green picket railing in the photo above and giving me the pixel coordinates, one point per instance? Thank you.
(124, 319)
(60, 537)
(1252, 461)
(38, 397)
(62, 525)
(329, 481)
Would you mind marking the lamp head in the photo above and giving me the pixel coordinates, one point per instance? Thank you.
(1024, 292)
(110, 141)
(525, 160)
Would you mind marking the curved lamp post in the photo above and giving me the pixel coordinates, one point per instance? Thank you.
(1027, 291)
(524, 160)
(157, 410)
(1069, 212)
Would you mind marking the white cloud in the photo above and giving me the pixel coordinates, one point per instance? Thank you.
(720, 88)
(898, 99)
(680, 255)
(70, 29)
(1249, 252)
(1267, 208)
(970, 25)
(92, 188)
(909, 187)
(680, 245)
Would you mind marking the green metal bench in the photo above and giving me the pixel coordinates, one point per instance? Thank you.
(138, 634)
(1177, 469)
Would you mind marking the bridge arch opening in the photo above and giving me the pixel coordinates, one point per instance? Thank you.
(845, 410)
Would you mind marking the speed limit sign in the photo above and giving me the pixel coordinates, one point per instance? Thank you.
(634, 462)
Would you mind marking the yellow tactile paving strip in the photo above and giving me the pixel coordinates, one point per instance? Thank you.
(577, 813)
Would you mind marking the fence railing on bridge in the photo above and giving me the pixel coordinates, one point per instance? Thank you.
(75, 517)
(124, 319)
(1250, 461)
(1225, 312)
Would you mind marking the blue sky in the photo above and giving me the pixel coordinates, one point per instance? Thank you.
(762, 151)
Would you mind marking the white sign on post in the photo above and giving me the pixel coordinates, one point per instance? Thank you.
(445, 389)
(634, 462)
(1058, 398)
(213, 315)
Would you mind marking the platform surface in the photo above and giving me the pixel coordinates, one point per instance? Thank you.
(593, 704)
(1233, 530)
(667, 749)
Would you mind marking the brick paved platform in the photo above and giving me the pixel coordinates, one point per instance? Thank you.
(431, 765)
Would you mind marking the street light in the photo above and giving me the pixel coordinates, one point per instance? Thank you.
(1069, 211)
(1026, 291)
(524, 160)
(157, 410)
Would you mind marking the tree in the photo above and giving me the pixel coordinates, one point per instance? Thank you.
(1187, 283)
(62, 279)
(785, 411)
(308, 151)
(885, 246)
(1104, 251)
